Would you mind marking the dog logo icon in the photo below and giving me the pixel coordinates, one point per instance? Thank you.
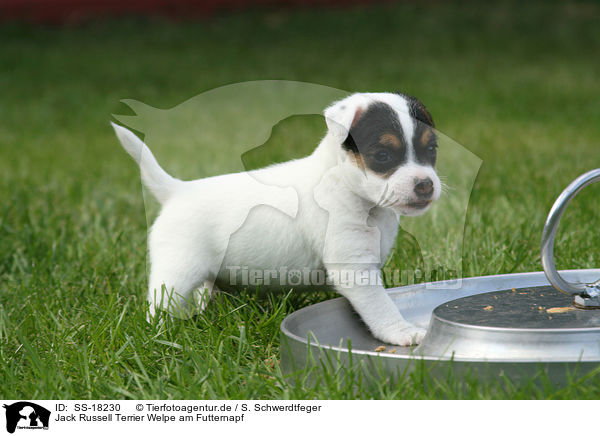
(26, 415)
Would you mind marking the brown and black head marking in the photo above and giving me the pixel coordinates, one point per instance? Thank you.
(424, 138)
(376, 140)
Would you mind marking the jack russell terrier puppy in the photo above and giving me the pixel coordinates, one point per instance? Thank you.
(335, 211)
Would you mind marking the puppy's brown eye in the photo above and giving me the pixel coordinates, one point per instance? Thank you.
(382, 156)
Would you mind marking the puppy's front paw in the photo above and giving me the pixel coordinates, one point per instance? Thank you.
(403, 335)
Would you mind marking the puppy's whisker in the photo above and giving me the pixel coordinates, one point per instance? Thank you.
(387, 200)
(382, 197)
(446, 188)
(390, 200)
(393, 203)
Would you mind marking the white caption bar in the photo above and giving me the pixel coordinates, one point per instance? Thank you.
(24, 417)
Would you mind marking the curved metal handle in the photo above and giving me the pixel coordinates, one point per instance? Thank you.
(549, 232)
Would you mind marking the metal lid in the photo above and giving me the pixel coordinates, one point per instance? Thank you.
(534, 323)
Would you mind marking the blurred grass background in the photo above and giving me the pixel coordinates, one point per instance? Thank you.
(517, 84)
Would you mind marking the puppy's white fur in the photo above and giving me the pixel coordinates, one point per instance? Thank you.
(322, 212)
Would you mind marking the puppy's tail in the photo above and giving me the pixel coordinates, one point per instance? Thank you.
(161, 184)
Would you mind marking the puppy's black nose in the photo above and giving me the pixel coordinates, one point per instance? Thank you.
(424, 187)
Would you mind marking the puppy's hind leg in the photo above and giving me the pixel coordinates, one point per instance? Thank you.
(180, 289)
(178, 304)
(204, 294)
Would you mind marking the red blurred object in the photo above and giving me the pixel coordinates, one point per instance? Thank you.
(64, 11)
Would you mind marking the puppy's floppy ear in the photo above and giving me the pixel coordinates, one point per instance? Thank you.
(343, 114)
(418, 110)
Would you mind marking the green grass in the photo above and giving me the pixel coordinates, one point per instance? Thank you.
(515, 85)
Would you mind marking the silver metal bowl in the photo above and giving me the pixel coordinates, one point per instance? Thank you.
(331, 331)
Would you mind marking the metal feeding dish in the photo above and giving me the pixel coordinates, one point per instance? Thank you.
(514, 324)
